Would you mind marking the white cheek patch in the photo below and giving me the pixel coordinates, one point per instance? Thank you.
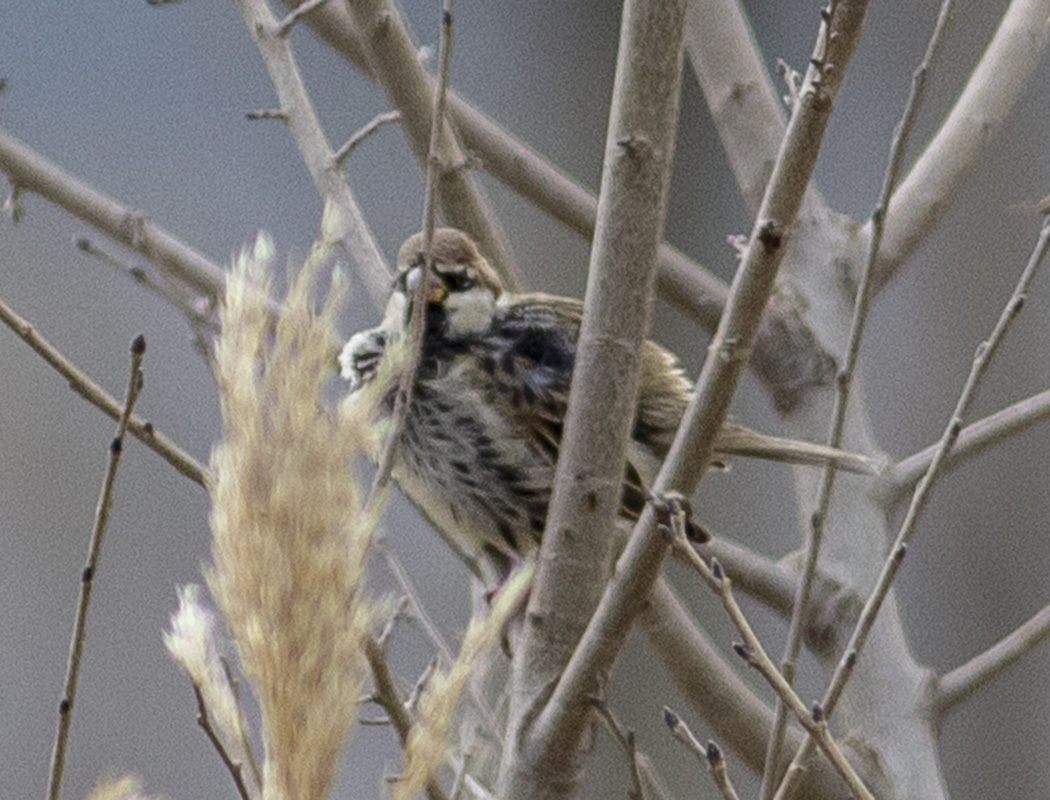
(471, 311)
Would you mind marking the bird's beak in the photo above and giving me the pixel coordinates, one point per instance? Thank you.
(436, 290)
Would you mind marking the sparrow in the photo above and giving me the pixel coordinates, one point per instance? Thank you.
(480, 441)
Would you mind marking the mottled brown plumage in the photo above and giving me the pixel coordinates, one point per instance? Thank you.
(480, 443)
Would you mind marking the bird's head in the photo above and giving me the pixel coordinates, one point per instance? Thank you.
(460, 281)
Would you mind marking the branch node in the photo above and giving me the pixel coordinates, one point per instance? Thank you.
(366, 132)
(770, 236)
(13, 204)
(289, 22)
(714, 754)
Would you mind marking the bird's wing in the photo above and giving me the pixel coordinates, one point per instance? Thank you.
(537, 336)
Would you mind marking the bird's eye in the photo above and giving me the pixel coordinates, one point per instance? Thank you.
(459, 280)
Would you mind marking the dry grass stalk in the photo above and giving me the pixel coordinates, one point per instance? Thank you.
(428, 744)
(192, 643)
(289, 538)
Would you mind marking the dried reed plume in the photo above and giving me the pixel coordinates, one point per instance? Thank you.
(289, 537)
(428, 744)
(192, 642)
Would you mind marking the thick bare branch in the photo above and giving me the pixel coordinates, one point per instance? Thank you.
(728, 357)
(744, 104)
(576, 549)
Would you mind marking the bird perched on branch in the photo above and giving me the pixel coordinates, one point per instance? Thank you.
(480, 440)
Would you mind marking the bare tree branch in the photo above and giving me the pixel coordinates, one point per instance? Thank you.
(102, 400)
(204, 721)
(434, 171)
(576, 549)
(729, 353)
(933, 182)
(320, 160)
(364, 133)
(30, 172)
(744, 104)
(873, 605)
(389, 698)
(861, 307)
(393, 61)
(752, 651)
(966, 680)
(707, 681)
(646, 783)
(712, 754)
(973, 440)
(87, 575)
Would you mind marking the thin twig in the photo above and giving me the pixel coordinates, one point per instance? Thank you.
(459, 783)
(626, 740)
(719, 771)
(204, 721)
(435, 167)
(266, 114)
(419, 612)
(844, 383)
(479, 791)
(420, 686)
(199, 310)
(407, 379)
(366, 132)
(706, 680)
(711, 754)
(87, 575)
(389, 699)
(293, 17)
(98, 397)
(973, 440)
(397, 569)
(242, 724)
(873, 605)
(751, 650)
(967, 679)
